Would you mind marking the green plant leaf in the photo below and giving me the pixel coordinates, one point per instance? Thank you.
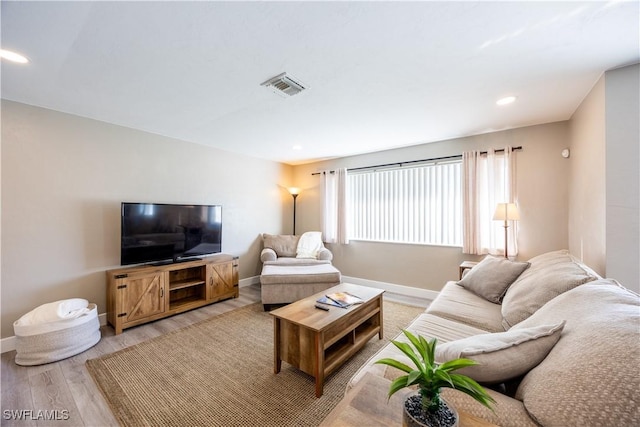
(406, 349)
(445, 378)
(395, 364)
(455, 364)
(397, 384)
(431, 357)
(413, 377)
(472, 388)
(417, 343)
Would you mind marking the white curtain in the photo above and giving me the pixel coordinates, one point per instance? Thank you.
(334, 206)
(488, 180)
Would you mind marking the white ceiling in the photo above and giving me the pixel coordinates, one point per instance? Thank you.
(380, 74)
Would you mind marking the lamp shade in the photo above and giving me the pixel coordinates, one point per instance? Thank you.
(294, 191)
(506, 212)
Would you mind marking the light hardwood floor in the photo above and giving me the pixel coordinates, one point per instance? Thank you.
(66, 386)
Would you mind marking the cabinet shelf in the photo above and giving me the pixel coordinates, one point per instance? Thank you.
(185, 284)
(184, 302)
(141, 294)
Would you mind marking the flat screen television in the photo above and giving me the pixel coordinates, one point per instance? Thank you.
(164, 233)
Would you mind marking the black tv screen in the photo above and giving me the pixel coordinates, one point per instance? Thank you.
(154, 232)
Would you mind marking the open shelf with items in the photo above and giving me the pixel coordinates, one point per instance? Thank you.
(141, 294)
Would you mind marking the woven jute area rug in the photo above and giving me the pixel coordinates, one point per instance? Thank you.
(219, 372)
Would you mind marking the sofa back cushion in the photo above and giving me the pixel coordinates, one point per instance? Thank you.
(590, 377)
(548, 276)
(284, 245)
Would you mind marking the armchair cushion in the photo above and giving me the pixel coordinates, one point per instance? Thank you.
(282, 244)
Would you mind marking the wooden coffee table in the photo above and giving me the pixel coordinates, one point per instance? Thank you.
(318, 342)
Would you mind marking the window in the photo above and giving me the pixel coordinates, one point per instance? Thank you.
(421, 205)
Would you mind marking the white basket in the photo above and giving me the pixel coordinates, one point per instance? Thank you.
(42, 343)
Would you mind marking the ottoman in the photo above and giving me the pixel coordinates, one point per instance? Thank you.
(283, 284)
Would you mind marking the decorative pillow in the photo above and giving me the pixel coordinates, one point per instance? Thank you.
(502, 355)
(492, 276)
(309, 245)
(284, 245)
(550, 275)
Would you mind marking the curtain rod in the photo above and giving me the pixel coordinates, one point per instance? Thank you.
(434, 159)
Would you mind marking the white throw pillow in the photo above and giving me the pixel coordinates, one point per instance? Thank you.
(502, 355)
(309, 245)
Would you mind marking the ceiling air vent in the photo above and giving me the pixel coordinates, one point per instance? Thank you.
(284, 85)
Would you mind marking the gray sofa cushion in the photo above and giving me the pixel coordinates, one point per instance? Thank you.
(548, 276)
(457, 304)
(590, 377)
(504, 355)
(492, 276)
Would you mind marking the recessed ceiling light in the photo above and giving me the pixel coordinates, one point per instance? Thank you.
(506, 100)
(12, 56)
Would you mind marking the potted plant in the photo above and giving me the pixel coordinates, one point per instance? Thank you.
(427, 408)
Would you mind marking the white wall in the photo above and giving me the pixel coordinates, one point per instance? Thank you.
(587, 237)
(543, 193)
(623, 175)
(63, 178)
(605, 177)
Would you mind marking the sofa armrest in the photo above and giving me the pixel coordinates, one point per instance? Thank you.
(325, 255)
(268, 254)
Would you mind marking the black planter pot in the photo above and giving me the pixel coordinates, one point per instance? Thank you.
(414, 416)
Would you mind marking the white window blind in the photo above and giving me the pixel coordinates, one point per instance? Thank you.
(421, 204)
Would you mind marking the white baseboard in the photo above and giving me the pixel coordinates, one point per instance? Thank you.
(392, 287)
(255, 280)
(9, 343)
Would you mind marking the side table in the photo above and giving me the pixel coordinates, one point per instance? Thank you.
(466, 265)
(367, 405)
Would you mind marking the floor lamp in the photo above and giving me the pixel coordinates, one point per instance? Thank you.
(294, 192)
(506, 212)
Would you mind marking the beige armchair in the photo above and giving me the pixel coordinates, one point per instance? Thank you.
(293, 270)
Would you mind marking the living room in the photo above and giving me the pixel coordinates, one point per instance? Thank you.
(65, 174)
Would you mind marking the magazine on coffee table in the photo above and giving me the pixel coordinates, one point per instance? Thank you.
(340, 299)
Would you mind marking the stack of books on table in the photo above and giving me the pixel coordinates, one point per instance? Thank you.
(340, 299)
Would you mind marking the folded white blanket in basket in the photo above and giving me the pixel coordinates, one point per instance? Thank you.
(54, 311)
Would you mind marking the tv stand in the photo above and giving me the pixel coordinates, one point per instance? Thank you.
(187, 259)
(141, 294)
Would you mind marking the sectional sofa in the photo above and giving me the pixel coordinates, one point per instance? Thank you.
(557, 344)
